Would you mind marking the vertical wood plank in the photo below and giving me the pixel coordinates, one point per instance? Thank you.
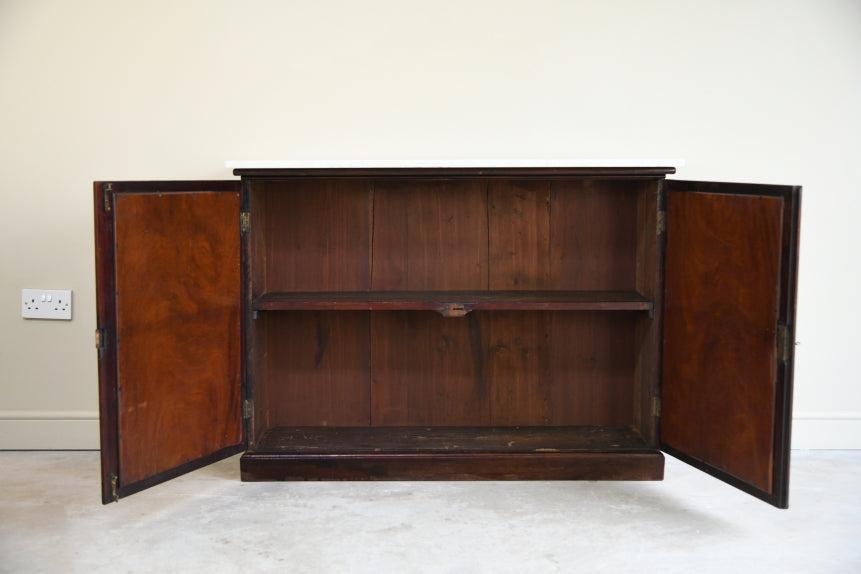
(519, 234)
(428, 370)
(516, 349)
(318, 370)
(593, 241)
(592, 368)
(429, 235)
(317, 235)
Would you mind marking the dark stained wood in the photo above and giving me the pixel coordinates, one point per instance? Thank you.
(719, 368)
(643, 465)
(428, 370)
(518, 372)
(516, 348)
(464, 439)
(452, 453)
(750, 233)
(519, 234)
(593, 234)
(316, 235)
(592, 368)
(502, 368)
(429, 236)
(647, 332)
(442, 300)
(317, 368)
(106, 334)
(133, 233)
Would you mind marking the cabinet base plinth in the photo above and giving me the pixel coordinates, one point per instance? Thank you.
(644, 465)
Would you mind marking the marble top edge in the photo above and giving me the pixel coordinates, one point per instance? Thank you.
(454, 163)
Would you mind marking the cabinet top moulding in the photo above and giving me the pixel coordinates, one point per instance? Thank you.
(634, 168)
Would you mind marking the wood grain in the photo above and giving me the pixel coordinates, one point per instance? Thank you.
(429, 236)
(317, 368)
(593, 234)
(721, 311)
(502, 368)
(178, 329)
(592, 368)
(641, 465)
(440, 300)
(316, 234)
(427, 370)
(463, 439)
(519, 234)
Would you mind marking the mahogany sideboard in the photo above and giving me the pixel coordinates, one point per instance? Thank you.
(449, 322)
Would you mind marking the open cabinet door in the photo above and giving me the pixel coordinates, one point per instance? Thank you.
(729, 328)
(169, 332)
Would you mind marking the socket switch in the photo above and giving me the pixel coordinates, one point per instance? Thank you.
(46, 304)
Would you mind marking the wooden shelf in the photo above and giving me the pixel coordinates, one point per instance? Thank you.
(452, 453)
(461, 439)
(455, 303)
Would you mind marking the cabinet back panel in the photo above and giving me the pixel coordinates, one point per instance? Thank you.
(317, 368)
(593, 234)
(519, 227)
(429, 236)
(316, 235)
(396, 235)
(502, 368)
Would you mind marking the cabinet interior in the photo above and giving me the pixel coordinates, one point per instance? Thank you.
(452, 315)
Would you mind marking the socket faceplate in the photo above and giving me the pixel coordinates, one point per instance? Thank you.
(46, 304)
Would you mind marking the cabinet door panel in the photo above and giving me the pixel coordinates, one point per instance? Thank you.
(168, 276)
(729, 314)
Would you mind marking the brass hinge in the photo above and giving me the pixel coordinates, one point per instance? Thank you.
(656, 406)
(662, 222)
(247, 409)
(100, 339)
(114, 487)
(244, 222)
(107, 188)
(784, 344)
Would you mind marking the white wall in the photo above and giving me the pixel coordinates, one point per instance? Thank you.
(758, 91)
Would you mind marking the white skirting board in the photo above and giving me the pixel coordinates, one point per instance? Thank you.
(827, 430)
(49, 430)
(76, 430)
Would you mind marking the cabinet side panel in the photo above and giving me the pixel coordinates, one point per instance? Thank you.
(721, 311)
(178, 329)
(649, 277)
(429, 235)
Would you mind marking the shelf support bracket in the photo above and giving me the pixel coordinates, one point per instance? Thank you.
(454, 310)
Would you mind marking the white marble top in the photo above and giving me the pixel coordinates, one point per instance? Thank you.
(455, 163)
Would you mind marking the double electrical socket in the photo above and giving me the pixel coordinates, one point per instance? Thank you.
(46, 304)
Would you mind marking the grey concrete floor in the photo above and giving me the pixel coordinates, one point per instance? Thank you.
(51, 520)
